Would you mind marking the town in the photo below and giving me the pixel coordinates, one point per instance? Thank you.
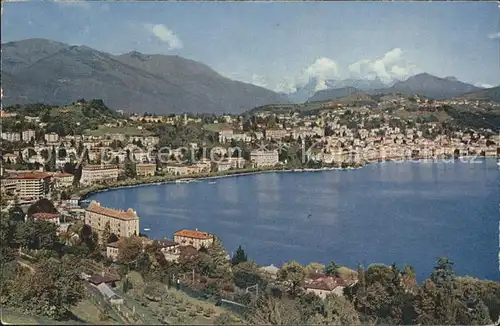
(52, 161)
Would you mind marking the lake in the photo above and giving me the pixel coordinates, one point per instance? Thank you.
(408, 213)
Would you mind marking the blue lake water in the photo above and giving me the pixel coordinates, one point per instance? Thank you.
(408, 213)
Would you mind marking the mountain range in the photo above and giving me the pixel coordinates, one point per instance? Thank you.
(40, 70)
(422, 84)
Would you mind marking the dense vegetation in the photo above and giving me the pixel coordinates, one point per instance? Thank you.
(63, 120)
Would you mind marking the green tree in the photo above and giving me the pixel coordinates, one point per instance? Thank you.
(314, 268)
(239, 256)
(337, 311)
(51, 290)
(220, 265)
(106, 233)
(332, 269)
(293, 274)
(129, 249)
(443, 272)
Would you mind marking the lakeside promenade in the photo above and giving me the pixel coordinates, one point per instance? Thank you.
(83, 193)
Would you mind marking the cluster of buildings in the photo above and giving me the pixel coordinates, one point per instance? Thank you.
(125, 223)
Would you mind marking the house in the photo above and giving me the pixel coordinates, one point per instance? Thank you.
(193, 238)
(63, 180)
(145, 169)
(112, 250)
(270, 270)
(49, 217)
(170, 249)
(323, 285)
(110, 279)
(109, 294)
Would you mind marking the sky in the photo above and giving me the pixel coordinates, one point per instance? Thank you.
(281, 45)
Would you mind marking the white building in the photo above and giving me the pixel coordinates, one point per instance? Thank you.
(52, 137)
(28, 135)
(264, 158)
(11, 136)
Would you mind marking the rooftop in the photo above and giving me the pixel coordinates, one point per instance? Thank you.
(99, 167)
(45, 216)
(29, 176)
(194, 234)
(129, 214)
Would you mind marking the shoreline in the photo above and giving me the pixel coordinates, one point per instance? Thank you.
(83, 194)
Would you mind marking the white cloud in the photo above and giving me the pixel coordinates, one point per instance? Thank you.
(484, 85)
(258, 80)
(285, 86)
(494, 36)
(389, 67)
(320, 70)
(166, 35)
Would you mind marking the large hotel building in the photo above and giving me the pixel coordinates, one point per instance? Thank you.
(98, 173)
(264, 158)
(122, 223)
(28, 186)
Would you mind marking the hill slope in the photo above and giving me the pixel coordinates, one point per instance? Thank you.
(40, 70)
(431, 86)
(331, 94)
(490, 94)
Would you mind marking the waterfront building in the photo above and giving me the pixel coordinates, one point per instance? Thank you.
(237, 162)
(193, 238)
(99, 173)
(28, 186)
(62, 180)
(223, 165)
(121, 223)
(176, 169)
(264, 158)
(145, 169)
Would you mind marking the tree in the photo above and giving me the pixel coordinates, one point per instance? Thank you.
(106, 233)
(292, 273)
(268, 310)
(239, 257)
(50, 290)
(129, 249)
(247, 274)
(16, 214)
(130, 167)
(220, 266)
(332, 269)
(36, 234)
(443, 272)
(337, 311)
(314, 268)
